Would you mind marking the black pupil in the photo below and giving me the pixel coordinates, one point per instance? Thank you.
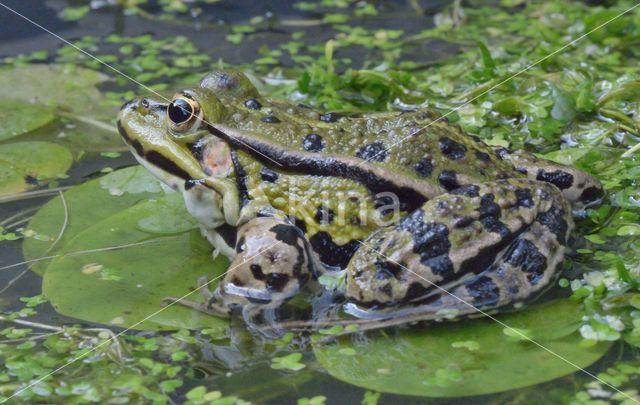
(180, 111)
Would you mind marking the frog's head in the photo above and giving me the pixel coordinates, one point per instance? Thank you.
(170, 136)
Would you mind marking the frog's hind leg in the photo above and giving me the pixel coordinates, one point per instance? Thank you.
(576, 185)
(483, 246)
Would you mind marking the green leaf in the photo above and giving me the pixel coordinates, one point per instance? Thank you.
(88, 135)
(66, 87)
(595, 238)
(586, 100)
(568, 156)
(629, 230)
(317, 400)
(87, 203)
(421, 361)
(510, 106)
(605, 24)
(18, 118)
(162, 266)
(75, 13)
(487, 59)
(564, 106)
(290, 362)
(197, 392)
(627, 91)
(26, 165)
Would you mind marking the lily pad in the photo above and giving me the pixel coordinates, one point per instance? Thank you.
(472, 357)
(18, 118)
(67, 87)
(124, 287)
(70, 92)
(87, 203)
(87, 136)
(25, 165)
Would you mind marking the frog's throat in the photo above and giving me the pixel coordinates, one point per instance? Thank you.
(225, 202)
(183, 172)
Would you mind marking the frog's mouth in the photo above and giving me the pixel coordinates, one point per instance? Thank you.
(141, 123)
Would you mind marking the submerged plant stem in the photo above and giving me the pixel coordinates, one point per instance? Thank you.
(32, 194)
(19, 214)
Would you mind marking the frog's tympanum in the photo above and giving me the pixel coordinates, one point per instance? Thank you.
(425, 219)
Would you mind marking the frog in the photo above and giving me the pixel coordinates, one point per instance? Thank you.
(422, 220)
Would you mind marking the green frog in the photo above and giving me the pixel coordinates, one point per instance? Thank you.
(426, 221)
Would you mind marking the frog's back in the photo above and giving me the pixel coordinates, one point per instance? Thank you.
(420, 147)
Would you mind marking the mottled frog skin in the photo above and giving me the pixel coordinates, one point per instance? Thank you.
(425, 219)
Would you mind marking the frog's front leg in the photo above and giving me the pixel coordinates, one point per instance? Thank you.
(273, 261)
(483, 246)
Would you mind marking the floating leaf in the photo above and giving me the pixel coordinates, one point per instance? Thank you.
(163, 219)
(605, 24)
(134, 180)
(63, 86)
(26, 165)
(423, 362)
(626, 91)
(487, 59)
(567, 156)
(18, 118)
(290, 362)
(629, 230)
(75, 13)
(564, 106)
(88, 135)
(510, 106)
(66, 90)
(140, 276)
(87, 203)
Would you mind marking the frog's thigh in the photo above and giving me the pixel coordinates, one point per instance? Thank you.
(223, 239)
(491, 243)
(271, 264)
(575, 184)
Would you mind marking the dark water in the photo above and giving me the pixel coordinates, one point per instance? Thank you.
(253, 379)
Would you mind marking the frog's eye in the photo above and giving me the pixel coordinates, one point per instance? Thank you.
(183, 113)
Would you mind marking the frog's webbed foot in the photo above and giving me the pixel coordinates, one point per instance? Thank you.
(465, 253)
(210, 304)
(263, 319)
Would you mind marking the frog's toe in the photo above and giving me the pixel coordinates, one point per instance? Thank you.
(203, 287)
(168, 301)
(210, 304)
